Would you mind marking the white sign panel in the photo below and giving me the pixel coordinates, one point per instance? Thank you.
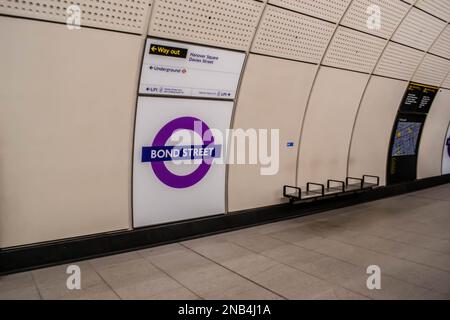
(446, 159)
(179, 147)
(179, 69)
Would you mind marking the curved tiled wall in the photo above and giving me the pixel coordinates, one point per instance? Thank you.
(314, 70)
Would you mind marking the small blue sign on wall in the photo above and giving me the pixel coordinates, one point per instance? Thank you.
(290, 144)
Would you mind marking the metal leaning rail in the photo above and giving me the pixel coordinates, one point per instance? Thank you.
(333, 188)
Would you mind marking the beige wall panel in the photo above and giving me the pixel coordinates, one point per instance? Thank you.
(273, 95)
(432, 142)
(371, 137)
(66, 124)
(328, 125)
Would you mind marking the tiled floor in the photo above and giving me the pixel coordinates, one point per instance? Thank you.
(324, 256)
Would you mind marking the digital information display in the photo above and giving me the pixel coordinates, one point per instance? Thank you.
(418, 98)
(446, 154)
(404, 147)
(405, 140)
(179, 69)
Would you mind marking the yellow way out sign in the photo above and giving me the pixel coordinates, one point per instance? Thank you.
(161, 50)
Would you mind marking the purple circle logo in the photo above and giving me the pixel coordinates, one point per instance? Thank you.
(448, 146)
(158, 153)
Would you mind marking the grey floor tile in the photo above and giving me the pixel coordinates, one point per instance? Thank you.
(18, 286)
(52, 284)
(392, 289)
(205, 278)
(322, 256)
(218, 250)
(422, 241)
(155, 288)
(253, 241)
(339, 293)
(291, 283)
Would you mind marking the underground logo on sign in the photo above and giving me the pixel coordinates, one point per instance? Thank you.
(159, 153)
(448, 146)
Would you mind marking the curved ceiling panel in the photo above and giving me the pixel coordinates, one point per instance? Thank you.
(291, 35)
(124, 15)
(392, 13)
(331, 10)
(419, 30)
(398, 61)
(354, 50)
(432, 71)
(446, 83)
(439, 8)
(442, 46)
(223, 23)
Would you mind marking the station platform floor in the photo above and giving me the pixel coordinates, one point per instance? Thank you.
(323, 256)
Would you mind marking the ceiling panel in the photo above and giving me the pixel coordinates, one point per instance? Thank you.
(446, 83)
(399, 61)
(392, 12)
(291, 35)
(354, 50)
(419, 30)
(432, 71)
(442, 46)
(224, 23)
(331, 10)
(439, 8)
(124, 15)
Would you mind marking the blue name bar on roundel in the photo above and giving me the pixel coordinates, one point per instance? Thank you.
(170, 153)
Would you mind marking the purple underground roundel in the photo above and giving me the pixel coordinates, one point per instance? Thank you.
(448, 146)
(159, 153)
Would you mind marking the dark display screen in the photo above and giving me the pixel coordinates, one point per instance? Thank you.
(418, 98)
(402, 165)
